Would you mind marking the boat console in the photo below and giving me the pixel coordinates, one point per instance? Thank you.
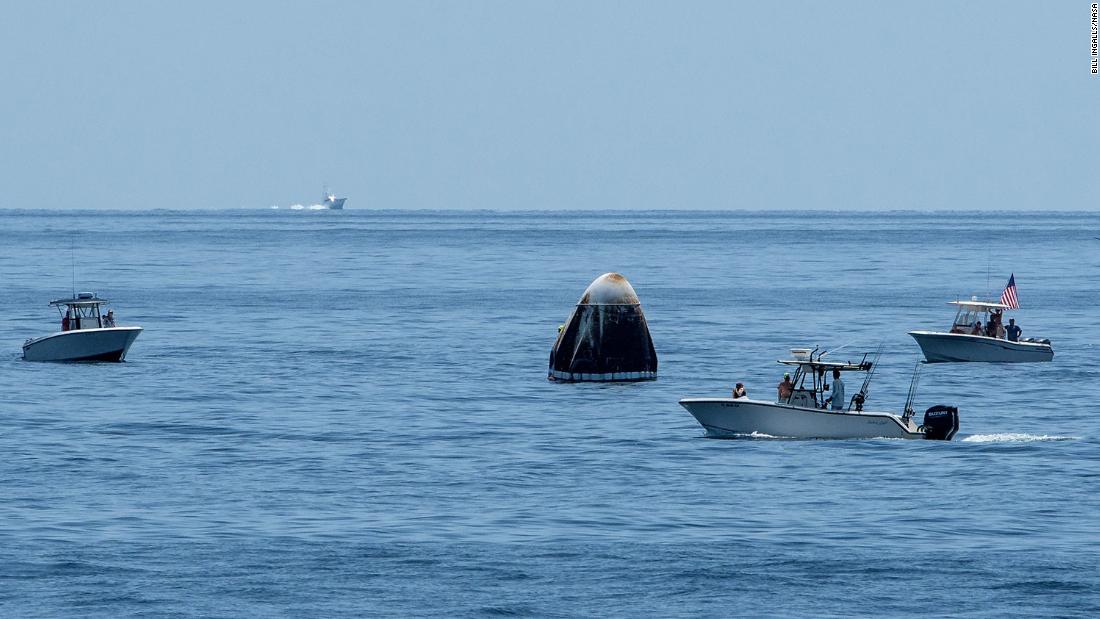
(804, 398)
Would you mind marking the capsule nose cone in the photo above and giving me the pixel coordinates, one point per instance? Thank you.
(609, 289)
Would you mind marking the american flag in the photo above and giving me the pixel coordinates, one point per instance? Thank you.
(1008, 297)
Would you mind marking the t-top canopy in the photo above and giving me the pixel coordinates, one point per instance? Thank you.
(843, 366)
(80, 301)
(983, 306)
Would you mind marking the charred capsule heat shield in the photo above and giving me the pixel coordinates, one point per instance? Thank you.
(606, 337)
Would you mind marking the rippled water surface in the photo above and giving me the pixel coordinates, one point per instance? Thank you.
(346, 413)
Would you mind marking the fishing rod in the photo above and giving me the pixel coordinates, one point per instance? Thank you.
(909, 412)
(859, 398)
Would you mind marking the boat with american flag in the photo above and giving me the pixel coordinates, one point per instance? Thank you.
(979, 334)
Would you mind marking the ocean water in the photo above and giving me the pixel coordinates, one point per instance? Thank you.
(346, 414)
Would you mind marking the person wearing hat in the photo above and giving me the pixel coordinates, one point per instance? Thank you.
(786, 388)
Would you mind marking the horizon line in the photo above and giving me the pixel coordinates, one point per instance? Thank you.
(543, 210)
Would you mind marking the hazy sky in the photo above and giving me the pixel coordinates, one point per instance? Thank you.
(550, 105)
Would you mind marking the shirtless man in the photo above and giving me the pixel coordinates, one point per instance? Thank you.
(786, 388)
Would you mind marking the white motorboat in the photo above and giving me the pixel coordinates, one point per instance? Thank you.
(968, 340)
(85, 335)
(803, 414)
(331, 202)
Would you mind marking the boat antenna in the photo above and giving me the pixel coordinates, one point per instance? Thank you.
(909, 412)
(989, 261)
(72, 256)
(831, 351)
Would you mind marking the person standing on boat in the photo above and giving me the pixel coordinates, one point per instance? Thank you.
(109, 319)
(977, 330)
(1013, 330)
(836, 395)
(993, 329)
(739, 391)
(786, 388)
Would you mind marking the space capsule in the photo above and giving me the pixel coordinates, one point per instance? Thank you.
(606, 337)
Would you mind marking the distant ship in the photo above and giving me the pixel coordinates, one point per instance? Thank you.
(331, 201)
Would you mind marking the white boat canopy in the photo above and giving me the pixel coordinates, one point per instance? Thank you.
(980, 306)
(843, 366)
(80, 301)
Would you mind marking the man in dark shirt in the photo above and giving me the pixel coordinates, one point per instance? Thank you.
(1013, 330)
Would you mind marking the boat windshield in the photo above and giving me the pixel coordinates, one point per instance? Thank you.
(79, 314)
(974, 311)
(966, 317)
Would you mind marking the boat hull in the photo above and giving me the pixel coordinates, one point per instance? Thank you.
(107, 344)
(739, 418)
(958, 347)
(335, 204)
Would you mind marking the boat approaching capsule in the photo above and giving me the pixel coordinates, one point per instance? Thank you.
(606, 338)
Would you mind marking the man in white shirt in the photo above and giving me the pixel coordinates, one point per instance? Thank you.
(836, 395)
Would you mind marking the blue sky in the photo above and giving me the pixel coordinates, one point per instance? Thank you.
(552, 105)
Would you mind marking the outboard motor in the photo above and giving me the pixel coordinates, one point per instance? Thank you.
(941, 422)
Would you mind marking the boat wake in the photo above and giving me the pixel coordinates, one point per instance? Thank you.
(1015, 437)
(761, 435)
(304, 207)
(745, 436)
